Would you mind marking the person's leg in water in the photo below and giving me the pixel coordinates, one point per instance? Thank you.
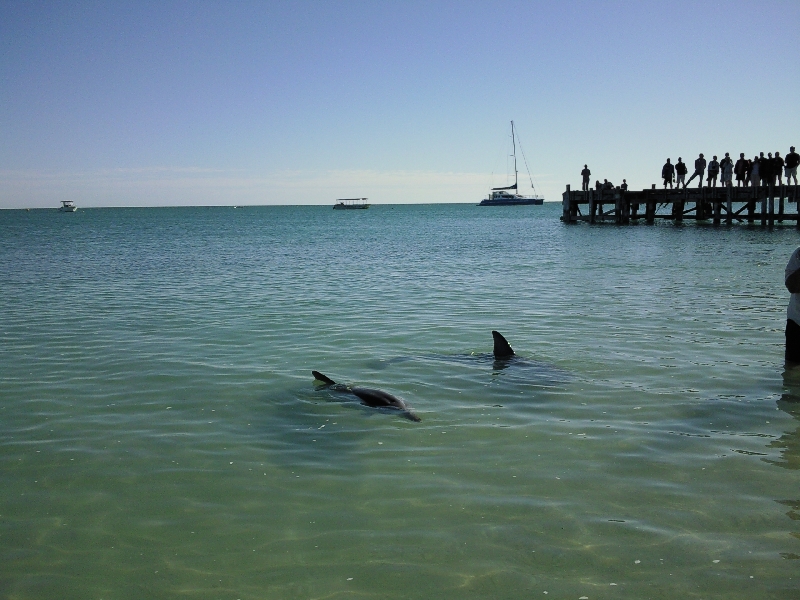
(792, 354)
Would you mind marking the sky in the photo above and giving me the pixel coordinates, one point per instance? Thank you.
(303, 102)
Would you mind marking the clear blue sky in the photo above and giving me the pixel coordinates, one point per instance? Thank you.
(172, 103)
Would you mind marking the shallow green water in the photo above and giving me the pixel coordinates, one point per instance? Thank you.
(161, 435)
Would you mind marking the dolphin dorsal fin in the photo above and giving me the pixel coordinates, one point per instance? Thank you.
(319, 376)
(502, 349)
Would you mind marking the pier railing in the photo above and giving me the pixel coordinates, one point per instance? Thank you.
(763, 204)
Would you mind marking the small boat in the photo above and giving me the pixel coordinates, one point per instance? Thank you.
(350, 203)
(68, 206)
(502, 196)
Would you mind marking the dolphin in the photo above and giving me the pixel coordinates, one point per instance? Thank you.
(503, 357)
(370, 396)
(502, 349)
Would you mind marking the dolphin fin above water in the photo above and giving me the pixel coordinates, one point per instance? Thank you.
(370, 396)
(502, 349)
(320, 377)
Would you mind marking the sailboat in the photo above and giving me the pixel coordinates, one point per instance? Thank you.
(504, 196)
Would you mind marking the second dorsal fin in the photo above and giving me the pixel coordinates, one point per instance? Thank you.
(502, 349)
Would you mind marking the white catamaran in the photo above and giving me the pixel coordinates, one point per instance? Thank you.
(504, 196)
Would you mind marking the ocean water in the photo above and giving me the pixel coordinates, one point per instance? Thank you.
(161, 435)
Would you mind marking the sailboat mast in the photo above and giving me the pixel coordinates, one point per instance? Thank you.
(514, 142)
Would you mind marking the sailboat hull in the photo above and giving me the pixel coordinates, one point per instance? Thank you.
(511, 201)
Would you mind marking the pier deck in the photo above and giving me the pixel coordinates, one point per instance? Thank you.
(765, 205)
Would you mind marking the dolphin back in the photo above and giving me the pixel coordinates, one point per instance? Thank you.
(320, 377)
(502, 349)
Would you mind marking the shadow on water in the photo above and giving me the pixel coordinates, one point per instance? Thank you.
(320, 429)
(789, 442)
(512, 370)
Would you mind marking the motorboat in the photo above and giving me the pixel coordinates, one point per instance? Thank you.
(350, 203)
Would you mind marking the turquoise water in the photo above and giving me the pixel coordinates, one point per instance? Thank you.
(161, 435)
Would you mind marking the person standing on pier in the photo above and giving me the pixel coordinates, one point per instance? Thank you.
(778, 164)
(792, 160)
(668, 173)
(699, 169)
(792, 282)
(726, 168)
(769, 171)
(755, 171)
(586, 174)
(680, 171)
(624, 185)
(713, 171)
(741, 170)
(764, 168)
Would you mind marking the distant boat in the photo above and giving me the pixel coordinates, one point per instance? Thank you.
(502, 196)
(350, 203)
(68, 206)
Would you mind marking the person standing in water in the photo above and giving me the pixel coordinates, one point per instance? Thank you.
(792, 282)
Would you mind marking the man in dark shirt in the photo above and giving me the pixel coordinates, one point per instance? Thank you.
(713, 171)
(765, 169)
(668, 173)
(740, 169)
(586, 173)
(791, 163)
(699, 169)
(778, 167)
(680, 172)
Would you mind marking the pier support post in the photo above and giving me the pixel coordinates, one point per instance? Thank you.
(566, 204)
(716, 202)
(699, 206)
(781, 195)
(771, 210)
(793, 198)
(626, 208)
(650, 208)
(592, 206)
(764, 209)
(600, 215)
(677, 206)
(729, 205)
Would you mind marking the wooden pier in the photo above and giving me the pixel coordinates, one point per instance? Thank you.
(764, 205)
